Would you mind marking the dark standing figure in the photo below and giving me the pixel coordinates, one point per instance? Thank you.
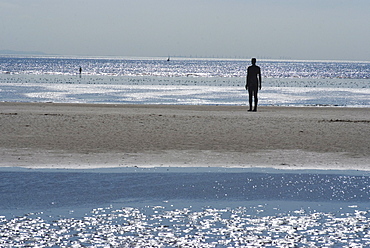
(253, 84)
(80, 70)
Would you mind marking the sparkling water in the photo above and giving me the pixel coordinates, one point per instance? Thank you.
(182, 81)
(194, 207)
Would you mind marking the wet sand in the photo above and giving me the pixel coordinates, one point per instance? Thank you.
(48, 135)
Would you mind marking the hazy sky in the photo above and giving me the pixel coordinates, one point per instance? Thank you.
(296, 29)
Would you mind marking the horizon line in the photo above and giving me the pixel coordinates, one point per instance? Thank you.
(260, 58)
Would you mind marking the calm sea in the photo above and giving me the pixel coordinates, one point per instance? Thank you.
(174, 207)
(182, 81)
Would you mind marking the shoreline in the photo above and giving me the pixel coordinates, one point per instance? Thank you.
(84, 136)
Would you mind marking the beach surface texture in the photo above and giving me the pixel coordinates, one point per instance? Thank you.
(49, 135)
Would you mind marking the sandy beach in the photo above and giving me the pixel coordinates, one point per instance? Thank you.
(49, 135)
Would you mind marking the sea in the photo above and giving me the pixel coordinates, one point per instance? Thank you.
(183, 207)
(186, 81)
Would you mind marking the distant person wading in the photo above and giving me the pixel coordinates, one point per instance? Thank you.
(253, 84)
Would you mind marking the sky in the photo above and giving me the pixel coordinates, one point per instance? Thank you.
(276, 29)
